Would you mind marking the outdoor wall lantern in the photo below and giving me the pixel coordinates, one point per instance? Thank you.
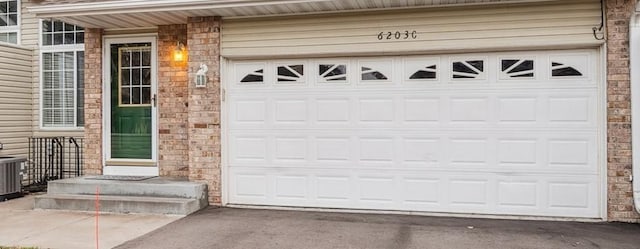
(201, 76)
(180, 53)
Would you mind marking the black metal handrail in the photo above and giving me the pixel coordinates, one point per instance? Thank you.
(52, 158)
(78, 156)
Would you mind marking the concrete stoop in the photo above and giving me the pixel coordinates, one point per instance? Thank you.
(152, 196)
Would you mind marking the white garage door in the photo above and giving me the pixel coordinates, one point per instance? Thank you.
(500, 133)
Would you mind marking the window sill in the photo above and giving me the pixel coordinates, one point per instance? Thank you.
(61, 129)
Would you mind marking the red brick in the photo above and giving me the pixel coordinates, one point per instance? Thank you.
(93, 101)
(620, 202)
(172, 99)
(204, 138)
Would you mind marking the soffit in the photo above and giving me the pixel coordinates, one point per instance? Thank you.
(150, 13)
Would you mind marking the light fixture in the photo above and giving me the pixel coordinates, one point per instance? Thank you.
(201, 76)
(180, 53)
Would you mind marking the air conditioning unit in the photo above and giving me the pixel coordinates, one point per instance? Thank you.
(10, 177)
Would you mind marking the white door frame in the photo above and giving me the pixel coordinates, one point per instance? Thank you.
(224, 181)
(132, 167)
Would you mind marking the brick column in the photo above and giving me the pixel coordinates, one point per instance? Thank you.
(173, 156)
(620, 193)
(203, 39)
(93, 101)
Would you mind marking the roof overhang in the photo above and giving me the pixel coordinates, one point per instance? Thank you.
(149, 13)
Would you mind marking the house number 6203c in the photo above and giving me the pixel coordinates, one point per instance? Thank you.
(398, 35)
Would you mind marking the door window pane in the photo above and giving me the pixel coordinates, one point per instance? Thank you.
(135, 76)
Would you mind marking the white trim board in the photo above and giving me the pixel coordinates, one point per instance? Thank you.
(124, 6)
(634, 65)
(132, 14)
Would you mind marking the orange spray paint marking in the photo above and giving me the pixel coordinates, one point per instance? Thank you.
(97, 215)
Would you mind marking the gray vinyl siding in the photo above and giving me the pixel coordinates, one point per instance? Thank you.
(15, 100)
(515, 26)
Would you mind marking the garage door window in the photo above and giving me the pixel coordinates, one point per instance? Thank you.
(421, 69)
(428, 72)
(254, 77)
(372, 74)
(333, 72)
(291, 74)
(562, 70)
(471, 69)
(569, 66)
(518, 68)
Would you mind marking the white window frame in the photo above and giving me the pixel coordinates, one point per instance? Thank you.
(52, 49)
(15, 28)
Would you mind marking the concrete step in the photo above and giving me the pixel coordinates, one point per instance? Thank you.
(154, 187)
(120, 204)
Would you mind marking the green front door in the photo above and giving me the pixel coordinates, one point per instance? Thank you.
(131, 101)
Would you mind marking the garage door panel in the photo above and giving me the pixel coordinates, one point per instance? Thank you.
(251, 186)
(421, 110)
(468, 151)
(468, 192)
(540, 151)
(334, 188)
(333, 149)
(291, 149)
(291, 187)
(290, 111)
(575, 194)
(466, 110)
(518, 152)
(378, 190)
(421, 151)
(249, 149)
(537, 110)
(513, 133)
(247, 111)
(422, 192)
(521, 110)
(522, 194)
(377, 150)
(372, 110)
(333, 111)
(572, 110)
(417, 191)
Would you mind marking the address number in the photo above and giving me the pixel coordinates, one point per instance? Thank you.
(398, 35)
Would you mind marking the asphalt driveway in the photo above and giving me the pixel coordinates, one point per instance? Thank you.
(249, 228)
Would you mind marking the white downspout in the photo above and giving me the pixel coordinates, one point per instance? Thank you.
(634, 68)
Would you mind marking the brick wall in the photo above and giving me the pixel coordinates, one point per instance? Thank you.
(93, 101)
(173, 154)
(203, 35)
(620, 193)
